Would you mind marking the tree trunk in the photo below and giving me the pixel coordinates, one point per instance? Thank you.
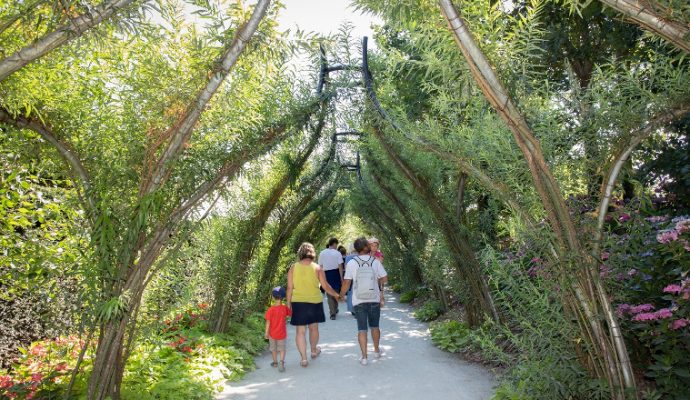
(649, 15)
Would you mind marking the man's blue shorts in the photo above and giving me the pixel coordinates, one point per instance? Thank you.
(368, 315)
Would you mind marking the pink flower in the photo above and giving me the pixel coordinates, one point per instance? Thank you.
(679, 323)
(624, 217)
(657, 218)
(683, 226)
(645, 317)
(632, 272)
(623, 308)
(667, 236)
(536, 260)
(36, 377)
(675, 289)
(641, 308)
(605, 255)
(664, 313)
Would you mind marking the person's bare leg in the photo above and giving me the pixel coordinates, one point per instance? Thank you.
(376, 338)
(301, 341)
(362, 339)
(275, 356)
(282, 356)
(314, 337)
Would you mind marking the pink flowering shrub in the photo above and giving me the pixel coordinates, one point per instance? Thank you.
(42, 369)
(650, 277)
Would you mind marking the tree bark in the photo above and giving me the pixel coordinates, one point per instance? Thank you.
(63, 34)
(647, 14)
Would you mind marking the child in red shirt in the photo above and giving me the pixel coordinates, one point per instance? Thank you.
(276, 331)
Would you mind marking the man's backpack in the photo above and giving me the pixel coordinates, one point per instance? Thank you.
(365, 279)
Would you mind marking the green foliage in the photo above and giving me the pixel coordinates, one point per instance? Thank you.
(181, 361)
(451, 335)
(429, 311)
(408, 297)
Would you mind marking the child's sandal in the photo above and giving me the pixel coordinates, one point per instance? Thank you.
(274, 364)
(281, 367)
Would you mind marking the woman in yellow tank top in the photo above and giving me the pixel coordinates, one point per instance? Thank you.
(305, 300)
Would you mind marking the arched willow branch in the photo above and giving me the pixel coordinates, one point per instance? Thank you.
(616, 361)
(79, 172)
(646, 13)
(63, 34)
(621, 157)
(227, 288)
(182, 130)
(498, 97)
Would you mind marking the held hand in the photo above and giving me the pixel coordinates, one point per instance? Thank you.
(266, 336)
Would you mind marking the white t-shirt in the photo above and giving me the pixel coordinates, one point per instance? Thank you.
(351, 274)
(330, 259)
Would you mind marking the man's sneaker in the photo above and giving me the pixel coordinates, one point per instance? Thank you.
(281, 366)
(378, 354)
(363, 361)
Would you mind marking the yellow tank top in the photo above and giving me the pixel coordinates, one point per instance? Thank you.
(306, 284)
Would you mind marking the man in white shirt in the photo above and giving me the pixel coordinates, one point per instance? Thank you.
(331, 261)
(368, 277)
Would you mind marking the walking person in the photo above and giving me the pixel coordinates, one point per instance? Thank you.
(305, 300)
(351, 253)
(366, 275)
(276, 331)
(375, 248)
(331, 261)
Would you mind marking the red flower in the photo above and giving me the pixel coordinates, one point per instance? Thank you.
(36, 377)
(187, 349)
(5, 381)
(203, 306)
(38, 350)
(61, 367)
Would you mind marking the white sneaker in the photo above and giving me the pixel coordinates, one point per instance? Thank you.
(378, 354)
(363, 361)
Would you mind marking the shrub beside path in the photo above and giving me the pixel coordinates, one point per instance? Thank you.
(412, 368)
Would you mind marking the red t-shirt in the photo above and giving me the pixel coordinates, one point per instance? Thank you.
(275, 315)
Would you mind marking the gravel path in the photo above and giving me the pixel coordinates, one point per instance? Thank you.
(412, 368)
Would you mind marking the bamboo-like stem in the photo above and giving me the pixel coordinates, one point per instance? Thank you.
(498, 97)
(63, 34)
(646, 14)
(621, 373)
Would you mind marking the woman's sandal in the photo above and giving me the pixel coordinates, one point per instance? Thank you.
(314, 355)
(304, 363)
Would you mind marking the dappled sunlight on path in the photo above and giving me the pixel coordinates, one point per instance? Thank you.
(412, 367)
